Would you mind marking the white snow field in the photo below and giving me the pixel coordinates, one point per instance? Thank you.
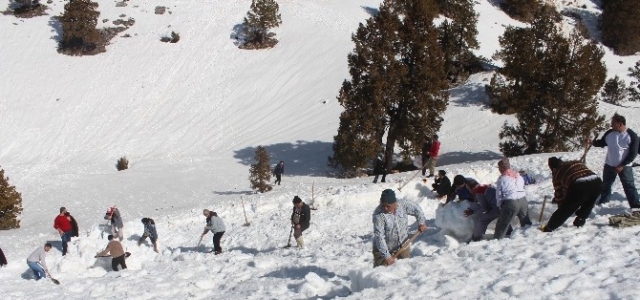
(189, 115)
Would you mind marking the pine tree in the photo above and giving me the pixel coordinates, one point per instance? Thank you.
(79, 33)
(10, 204)
(551, 82)
(263, 15)
(522, 10)
(458, 37)
(398, 85)
(260, 173)
(614, 91)
(634, 86)
(621, 26)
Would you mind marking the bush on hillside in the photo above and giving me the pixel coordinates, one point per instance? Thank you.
(174, 38)
(263, 15)
(260, 172)
(79, 33)
(26, 8)
(122, 164)
(614, 91)
(525, 10)
(10, 204)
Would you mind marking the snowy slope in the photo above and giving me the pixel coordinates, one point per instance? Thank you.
(189, 116)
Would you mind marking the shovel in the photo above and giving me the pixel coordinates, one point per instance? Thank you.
(246, 221)
(289, 242)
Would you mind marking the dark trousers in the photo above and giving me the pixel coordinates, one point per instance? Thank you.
(580, 199)
(66, 237)
(216, 241)
(626, 178)
(425, 164)
(118, 261)
(384, 176)
(278, 179)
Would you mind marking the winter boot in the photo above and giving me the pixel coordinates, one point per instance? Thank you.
(300, 242)
(579, 222)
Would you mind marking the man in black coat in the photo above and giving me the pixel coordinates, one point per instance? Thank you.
(442, 185)
(300, 219)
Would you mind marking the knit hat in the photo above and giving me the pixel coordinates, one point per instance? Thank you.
(296, 200)
(459, 180)
(504, 163)
(554, 162)
(388, 196)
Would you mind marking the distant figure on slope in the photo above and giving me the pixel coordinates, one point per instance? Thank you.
(114, 248)
(37, 261)
(300, 219)
(442, 184)
(113, 214)
(622, 149)
(463, 188)
(390, 220)
(62, 224)
(433, 154)
(3, 259)
(511, 198)
(576, 190)
(75, 232)
(426, 147)
(278, 171)
(150, 232)
(527, 178)
(379, 168)
(216, 226)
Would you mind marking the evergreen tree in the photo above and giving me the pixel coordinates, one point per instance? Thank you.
(79, 32)
(634, 86)
(10, 204)
(522, 10)
(614, 91)
(263, 15)
(398, 85)
(621, 26)
(458, 37)
(260, 173)
(551, 83)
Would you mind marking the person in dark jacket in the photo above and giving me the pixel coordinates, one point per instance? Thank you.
(463, 188)
(622, 149)
(426, 147)
(75, 232)
(278, 171)
(3, 259)
(216, 226)
(113, 214)
(576, 190)
(300, 219)
(379, 169)
(149, 232)
(442, 185)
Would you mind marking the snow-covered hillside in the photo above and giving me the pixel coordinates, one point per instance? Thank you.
(189, 115)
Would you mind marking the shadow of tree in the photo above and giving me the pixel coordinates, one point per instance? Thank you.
(237, 34)
(458, 157)
(470, 95)
(372, 11)
(56, 29)
(301, 158)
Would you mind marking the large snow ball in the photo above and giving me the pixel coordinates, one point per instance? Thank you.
(451, 219)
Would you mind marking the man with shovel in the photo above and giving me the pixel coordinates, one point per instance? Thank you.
(216, 226)
(300, 218)
(390, 221)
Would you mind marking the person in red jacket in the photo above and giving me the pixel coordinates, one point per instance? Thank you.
(433, 154)
(62, 223)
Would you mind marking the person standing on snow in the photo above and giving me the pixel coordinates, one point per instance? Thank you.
(510, 197)
(622, 149)
(576, 190)
(150, 232)
(278, 171)
(216, 226)
(62, 224)
(379, 169)
(390, 221)
(300, 219)
(433, 154)
(37, 261)
(483, 211)
(426, 147)
(113, 214)
(114, 248)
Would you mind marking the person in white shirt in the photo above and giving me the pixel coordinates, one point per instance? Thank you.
(622, 149)
(510, 197)
(37, 261)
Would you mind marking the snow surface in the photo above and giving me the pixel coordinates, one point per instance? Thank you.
(189, 116)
